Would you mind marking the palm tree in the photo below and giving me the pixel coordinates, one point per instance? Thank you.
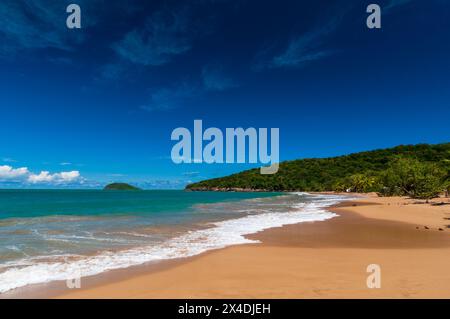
(361, 183)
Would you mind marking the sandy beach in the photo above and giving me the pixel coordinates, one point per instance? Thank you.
(409, 240)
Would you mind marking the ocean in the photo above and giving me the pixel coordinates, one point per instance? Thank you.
(50, 235)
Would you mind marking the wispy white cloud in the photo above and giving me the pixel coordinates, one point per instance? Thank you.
(164, 184)
(191, 173)
(111, 71)
(301, 49)
(37, 24)
(395, 3)
(167, 33)
(9, 160)
(65, 163)
(165, 99)
(215, 79)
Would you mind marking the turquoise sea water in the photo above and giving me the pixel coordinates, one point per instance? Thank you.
(48, 235)
(38, 203)
(51, 222)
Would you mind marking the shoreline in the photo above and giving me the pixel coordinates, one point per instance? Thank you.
(57, 287)
(282, 261)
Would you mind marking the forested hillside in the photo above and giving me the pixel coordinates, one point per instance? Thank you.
(381, 170)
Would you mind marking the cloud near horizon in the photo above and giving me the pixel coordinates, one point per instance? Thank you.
(24, 175)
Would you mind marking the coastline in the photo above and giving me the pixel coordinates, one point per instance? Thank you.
(326, 259)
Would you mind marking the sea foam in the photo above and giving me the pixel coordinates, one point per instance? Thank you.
(218, 235)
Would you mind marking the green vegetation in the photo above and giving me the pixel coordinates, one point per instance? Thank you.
(407, 176)
(120, 187)
(418, 171)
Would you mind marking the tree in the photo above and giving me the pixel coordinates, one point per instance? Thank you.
(407, 176)
(337, 173)
(447, 188)
(340, 186)
(446, 183)
(361, 183)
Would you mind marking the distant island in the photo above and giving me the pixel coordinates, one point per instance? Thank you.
(120, 187)
(418, 171)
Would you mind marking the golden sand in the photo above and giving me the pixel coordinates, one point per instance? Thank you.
(313, 260)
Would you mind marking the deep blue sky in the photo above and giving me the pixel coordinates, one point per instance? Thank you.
(102, 101)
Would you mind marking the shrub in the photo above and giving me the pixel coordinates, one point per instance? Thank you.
(406, 176)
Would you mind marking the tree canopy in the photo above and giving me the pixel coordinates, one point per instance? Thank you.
(415, 170)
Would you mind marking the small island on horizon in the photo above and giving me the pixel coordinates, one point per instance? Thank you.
(121, 187)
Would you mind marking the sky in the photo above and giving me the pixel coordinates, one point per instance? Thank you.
(80, 108)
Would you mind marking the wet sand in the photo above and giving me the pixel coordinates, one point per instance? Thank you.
(326, 259)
